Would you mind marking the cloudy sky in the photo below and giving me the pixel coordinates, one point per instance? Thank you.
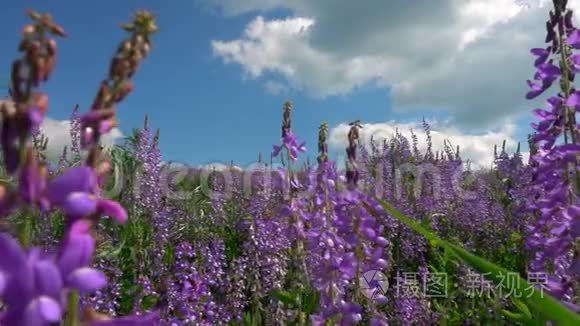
(220, 70)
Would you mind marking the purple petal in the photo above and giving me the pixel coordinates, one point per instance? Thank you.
(369, 233)
(575, 60)
(80, 228)
(78, 179)
(347, 265)
(548, 70)
(35, 117)
(13, 257)
(541, 54)
(86, 279)
(533, 94)
(574, 100)
(48, 279)
(377, 254)
(381, 264)
(80, 204)
(105, 126)
(2, 283)
(276, 150)
(381, 241)
(543, 114)
(42, 311)
(113, 209)
(75, 253)
(575, 267)
(574, 39)
(302, 147)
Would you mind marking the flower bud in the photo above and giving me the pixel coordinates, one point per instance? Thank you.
(28, 30)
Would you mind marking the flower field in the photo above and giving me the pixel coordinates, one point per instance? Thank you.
(394, 236)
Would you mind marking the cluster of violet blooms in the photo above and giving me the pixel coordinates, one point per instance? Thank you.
(327, 236)
(38, 288)
(555, 237)
(342, 239)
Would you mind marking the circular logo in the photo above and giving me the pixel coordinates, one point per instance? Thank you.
(374, 284)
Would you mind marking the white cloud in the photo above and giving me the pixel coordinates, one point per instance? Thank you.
(58, 134)
(478, 148)
(275, 88)
(468, 57)
(218, 167)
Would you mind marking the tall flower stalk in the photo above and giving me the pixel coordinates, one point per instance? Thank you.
(555, 238)
(39, 289)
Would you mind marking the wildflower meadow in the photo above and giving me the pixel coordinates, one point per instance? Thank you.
(395, 235)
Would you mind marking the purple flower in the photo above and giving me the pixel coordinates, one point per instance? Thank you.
(77, 193)
(574, 100)
(33, 286)
(541, 54)
(290, 142)
(75, 256)
(575, 63)
(574, 39)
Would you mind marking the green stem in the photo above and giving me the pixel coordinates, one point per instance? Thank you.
(25, 230)
(72, 315)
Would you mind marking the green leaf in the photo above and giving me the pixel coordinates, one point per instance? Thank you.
(285, 297)
(546, 305)
(310, 301)
(113, 252)
(148, 302)
(522, 308)
(514, 316)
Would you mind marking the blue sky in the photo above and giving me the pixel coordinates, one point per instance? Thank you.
(209, 105)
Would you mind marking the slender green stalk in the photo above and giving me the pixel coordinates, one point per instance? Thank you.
(25, 229)
(72, 315)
